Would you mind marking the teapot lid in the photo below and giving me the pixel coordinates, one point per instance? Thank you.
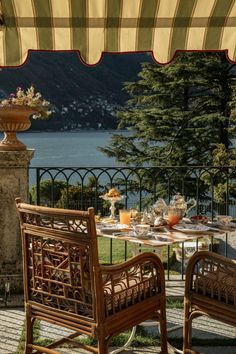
(178, 196)
(178, 200)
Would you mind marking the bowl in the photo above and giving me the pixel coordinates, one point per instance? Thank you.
(142, 230)
(199, 219)
(224, 220)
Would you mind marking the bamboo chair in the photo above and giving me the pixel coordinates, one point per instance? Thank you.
(210, 290)
(64, 283)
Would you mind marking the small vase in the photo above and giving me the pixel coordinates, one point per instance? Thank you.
(14, 118)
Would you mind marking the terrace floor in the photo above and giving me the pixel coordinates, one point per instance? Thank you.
(11, 323)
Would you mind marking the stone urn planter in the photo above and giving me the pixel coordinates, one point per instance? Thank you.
(14, 118)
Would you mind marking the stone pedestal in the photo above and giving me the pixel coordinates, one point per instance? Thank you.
(14, 182)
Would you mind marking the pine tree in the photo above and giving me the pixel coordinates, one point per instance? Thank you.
(178, 113)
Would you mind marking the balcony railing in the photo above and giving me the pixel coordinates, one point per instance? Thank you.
(214, 189)
(142, 186)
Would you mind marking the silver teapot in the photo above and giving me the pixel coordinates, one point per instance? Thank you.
(177, 204)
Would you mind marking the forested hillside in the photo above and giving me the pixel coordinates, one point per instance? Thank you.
(82, 96)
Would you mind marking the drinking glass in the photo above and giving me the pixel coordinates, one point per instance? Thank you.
(224, 220)
(125, 216)
(142, 230)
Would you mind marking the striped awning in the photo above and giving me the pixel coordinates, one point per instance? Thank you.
(93, 27)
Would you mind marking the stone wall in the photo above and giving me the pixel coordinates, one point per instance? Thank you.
(14, 177)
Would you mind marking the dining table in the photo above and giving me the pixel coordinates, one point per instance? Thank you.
(160, 236)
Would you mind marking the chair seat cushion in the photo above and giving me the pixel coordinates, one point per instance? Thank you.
(122, 293)
(217, 285)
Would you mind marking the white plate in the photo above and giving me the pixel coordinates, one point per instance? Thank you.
(217, 224)
(190, 228)
(144, 237)
(110, 228)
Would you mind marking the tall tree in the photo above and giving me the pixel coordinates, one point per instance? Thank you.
(177, 113)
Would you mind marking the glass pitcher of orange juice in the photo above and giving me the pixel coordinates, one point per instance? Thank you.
(174, 215)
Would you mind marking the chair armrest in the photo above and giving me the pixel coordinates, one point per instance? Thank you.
(135, 270)
(140, 258)
(211, 275)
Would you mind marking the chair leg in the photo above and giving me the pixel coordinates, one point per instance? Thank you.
(187, 331)
(29, 323)
(102, 345)
(190, 333)
(163, 331)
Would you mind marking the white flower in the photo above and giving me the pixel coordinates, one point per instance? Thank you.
(29, 98)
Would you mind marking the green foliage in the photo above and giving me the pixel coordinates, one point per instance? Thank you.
(177, 113)
(21, 344)
(78, 194)
(63, 195)
(49, 190)
(221, 157)
(173, 303)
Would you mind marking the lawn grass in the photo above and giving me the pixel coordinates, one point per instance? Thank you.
(173, 303)
(118, 250)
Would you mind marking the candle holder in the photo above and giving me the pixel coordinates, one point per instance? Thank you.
(112, 201)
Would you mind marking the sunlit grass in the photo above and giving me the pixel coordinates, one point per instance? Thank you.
(117, 248)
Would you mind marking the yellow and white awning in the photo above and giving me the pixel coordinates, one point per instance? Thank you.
(93, 27)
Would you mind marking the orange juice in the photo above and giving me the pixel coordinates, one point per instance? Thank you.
(125, 216)
(174, 216)
(173, 219)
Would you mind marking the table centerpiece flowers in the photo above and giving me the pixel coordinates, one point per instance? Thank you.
(15, 112)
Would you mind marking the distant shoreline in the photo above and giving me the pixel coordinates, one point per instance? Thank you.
(76, 131)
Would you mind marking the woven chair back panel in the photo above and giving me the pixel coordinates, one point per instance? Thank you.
(62, 223)
(59, 263)
(59, 275)
(215, 280)
(134, 285)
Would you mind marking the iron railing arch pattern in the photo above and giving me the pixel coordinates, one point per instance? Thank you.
(141, 185)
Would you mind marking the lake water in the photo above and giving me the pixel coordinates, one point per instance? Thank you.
(68, 149)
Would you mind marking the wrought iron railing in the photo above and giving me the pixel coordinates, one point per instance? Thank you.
(142, 186)
(214, 188)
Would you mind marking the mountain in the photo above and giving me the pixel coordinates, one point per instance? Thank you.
(82, 96)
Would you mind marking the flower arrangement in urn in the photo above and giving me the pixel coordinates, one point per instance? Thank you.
(14, 115)
(31, 99)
